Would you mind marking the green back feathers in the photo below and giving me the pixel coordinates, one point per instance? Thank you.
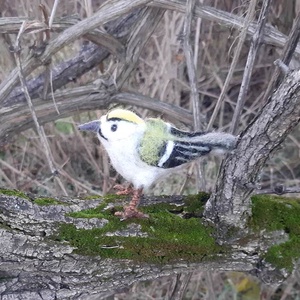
(153, 141)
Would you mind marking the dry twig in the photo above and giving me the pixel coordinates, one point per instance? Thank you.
(194, 95)
(286, 56)
(71, 101)
(53, 13)
(182, 281)
(138, 38)
(255, 45)
(70, 69)
(109, 11)
(248, 19)
(39, 129)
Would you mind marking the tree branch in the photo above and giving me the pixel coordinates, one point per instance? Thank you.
(17, 118)
(230, 206)
(106, 13)
(75, 67)
(271, 35)
(37, 264)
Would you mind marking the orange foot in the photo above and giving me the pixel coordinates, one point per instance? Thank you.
(123, 190)
(131, 212)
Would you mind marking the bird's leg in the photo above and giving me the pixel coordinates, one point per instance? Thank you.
(135, 200)
(124, 190)
(131, 210)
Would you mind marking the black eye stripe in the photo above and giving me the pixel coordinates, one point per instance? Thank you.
(101, 134)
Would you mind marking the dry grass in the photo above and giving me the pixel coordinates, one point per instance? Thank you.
(161, 73)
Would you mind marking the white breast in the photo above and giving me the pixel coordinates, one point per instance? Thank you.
(125, 159)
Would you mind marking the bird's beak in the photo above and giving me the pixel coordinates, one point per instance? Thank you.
(90, 126)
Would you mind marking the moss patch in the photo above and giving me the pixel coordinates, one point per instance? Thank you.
(48, 201)
(15, 193)
(194, 204)
(98, 212)
(107, 198)
(39, 200)
(278, 213)
(170, 237)
(91, 197)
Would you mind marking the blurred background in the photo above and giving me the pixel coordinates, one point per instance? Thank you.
(162, 74)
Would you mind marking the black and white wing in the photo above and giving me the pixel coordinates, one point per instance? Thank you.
(177, 152)
(187, 146)
(166, 147)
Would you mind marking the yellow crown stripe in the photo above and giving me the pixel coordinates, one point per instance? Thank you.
(124, 114)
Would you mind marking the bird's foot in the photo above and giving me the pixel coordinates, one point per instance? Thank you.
(123, 190)
(131, 212)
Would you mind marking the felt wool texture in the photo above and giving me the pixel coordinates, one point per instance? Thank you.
(155, 137)
(145, 151)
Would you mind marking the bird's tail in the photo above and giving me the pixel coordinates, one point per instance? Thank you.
(184, 147)
(218, 142)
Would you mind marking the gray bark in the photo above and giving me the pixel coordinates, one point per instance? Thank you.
(33, 265)
(230, 206)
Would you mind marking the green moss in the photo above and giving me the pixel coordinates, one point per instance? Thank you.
(107, 198)
(170, 237)
(15, 193)
(195, 203)
(97, 212)
(47, 201)
(39, 200)
(278, 213)
(92, 197)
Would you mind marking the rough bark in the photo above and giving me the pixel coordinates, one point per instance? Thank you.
(33, 265)
(230, 204)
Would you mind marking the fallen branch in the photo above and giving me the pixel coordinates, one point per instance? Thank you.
(37, 264)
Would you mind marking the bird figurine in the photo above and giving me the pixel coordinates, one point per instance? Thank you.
(144, 151)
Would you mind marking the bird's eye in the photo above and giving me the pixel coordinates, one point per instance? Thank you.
(113, 127)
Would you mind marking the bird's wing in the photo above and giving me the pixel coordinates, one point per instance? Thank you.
(154, 141)
(165, 146)
(182, 148)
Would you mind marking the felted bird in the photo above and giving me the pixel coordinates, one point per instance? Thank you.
(144, 151)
